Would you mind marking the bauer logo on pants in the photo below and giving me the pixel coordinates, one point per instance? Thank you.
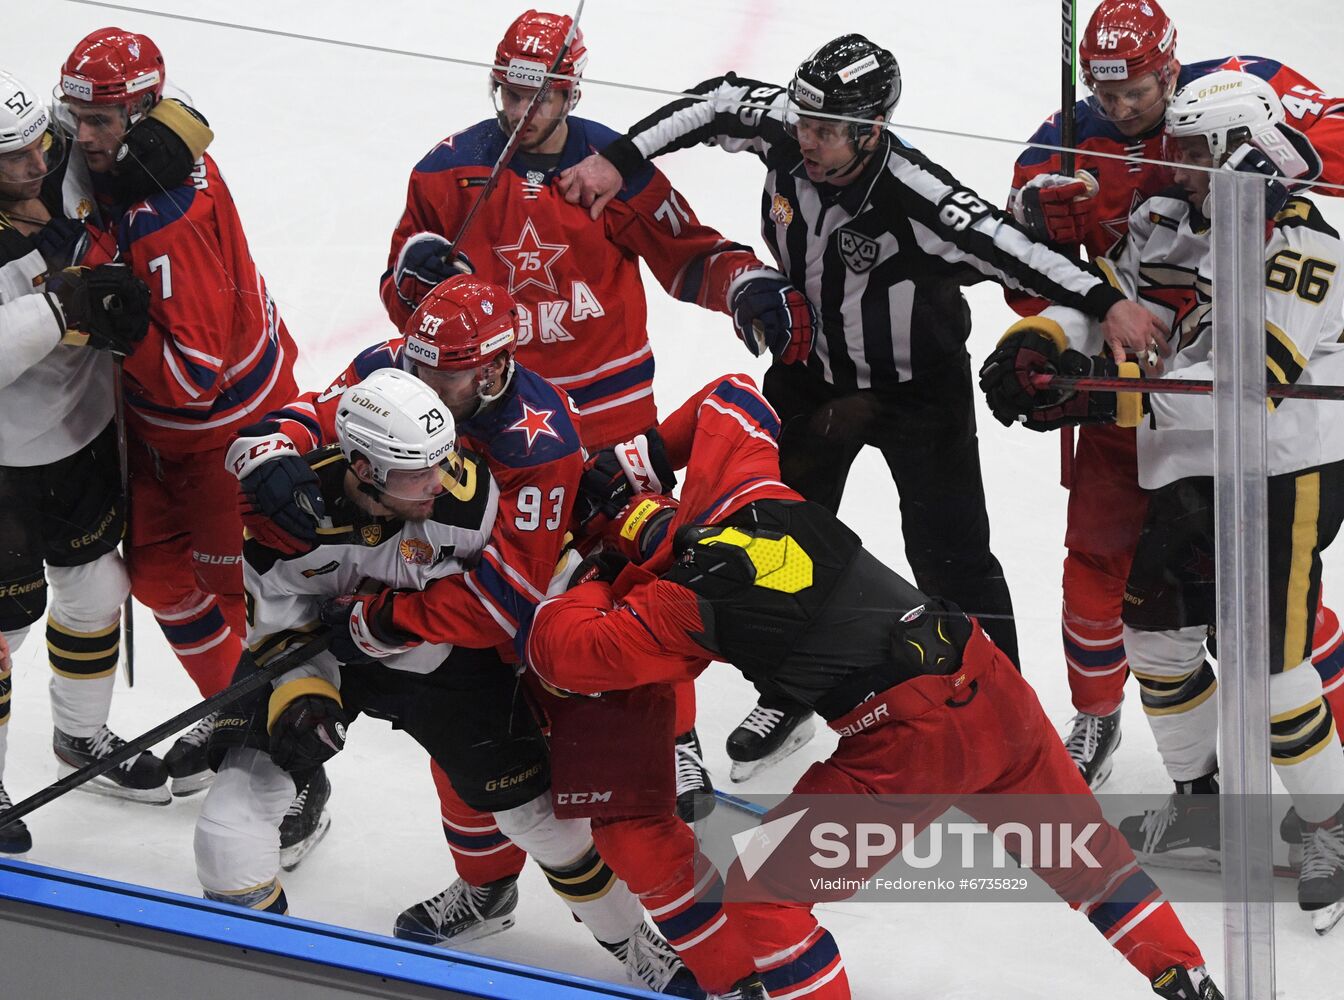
(858, 252)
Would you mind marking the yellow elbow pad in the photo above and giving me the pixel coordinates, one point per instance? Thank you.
(1046, 328)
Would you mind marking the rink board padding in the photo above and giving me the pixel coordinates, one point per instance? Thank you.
(68, 935)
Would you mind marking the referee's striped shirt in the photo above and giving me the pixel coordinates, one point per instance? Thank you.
(882, 259)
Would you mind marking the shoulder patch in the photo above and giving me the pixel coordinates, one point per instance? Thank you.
(1304, 213)
(532, 426)
(154, 213)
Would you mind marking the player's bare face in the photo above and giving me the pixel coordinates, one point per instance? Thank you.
(460, 391)
(21, 172)
(546, 132)
(99, 129)
(828, 150)
(1191, 153)
(1135, 106)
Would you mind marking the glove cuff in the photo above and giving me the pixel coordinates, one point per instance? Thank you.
(750, 274)
(1129, 406)
(639, 529)
(246, 454)
(285, 695)
(1046, 328)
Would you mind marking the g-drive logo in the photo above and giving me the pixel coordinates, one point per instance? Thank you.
(837, 845)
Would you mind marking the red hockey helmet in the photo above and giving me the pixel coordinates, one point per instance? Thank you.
(462, 323)
(1126, 39)
(529, 46)
(115, 66)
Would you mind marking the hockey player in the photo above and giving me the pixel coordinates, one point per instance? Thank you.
(217, 356)
(402, 508)
(882, 239)
(577, 281)
(1226, 120)
(749, 572)
(1128, 54)
(60, 490)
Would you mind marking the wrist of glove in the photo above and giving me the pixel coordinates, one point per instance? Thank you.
(104, 307)
(306, 723)
(426, 260)
(614, 475)
(1250, 159)
(637, 531)
(281, 500)
(1125, 409)
(160, 151)
(1055, 208)
(62, 242)
(362, 627)
(769, 314)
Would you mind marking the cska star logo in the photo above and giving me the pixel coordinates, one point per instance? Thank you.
(534, 423)
(1236, 64)
(529, 260)
(144, 208)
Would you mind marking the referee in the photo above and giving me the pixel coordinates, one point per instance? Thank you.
(880, 240)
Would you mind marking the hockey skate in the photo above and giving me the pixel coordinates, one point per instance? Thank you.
(306, 821)
(1092, 742)
(695, 792)
(460, 913)
(186, 759)
(765, 737)
(750, 988)
(141, 779)
(1177, 983)
(1320, 884)
(1181, 834)
(650, 962)
(14, 836)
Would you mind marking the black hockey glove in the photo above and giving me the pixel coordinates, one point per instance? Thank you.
(770, 314)
(930, 639)
(426, 259)
(62, 243)
(603, 566)
(1250, 159)
(160, 151)
(307, 724)
(362, 629)
(105, 307)
(281, 504)
(1093, 406)
(1031, 347)
(614, 475)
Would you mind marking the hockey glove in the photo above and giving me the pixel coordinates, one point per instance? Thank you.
(105, 307)
(362, 627)
(279, 497)
(1091, 406)
(1031, 346)
(770, 314)
(930, 639)
(614, 475)
(636, 532)
(603, 566)
(160, 151)
(1055, 208)
(1250, 159)
(306, 723)
(62, 243)
(426, 259)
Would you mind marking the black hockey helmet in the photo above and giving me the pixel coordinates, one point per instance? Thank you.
(848, 76)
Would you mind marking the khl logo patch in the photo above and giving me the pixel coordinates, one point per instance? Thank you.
(857, 251)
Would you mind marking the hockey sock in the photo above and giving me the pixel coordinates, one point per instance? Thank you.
(1327, 656)
(1094, 647)
(84, 668)
(1301, 726)
(205, 645)
(813, 969)
(268, 897)
(481, 853)
(597, 897)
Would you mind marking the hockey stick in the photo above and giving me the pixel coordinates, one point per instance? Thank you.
(262, 676)
(1068, 92)
(516, 139)
(128, 608)
(1184, 387)
(746, 805)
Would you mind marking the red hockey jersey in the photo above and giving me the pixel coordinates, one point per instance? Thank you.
(217, 355)
(1126, 185)
(582, 312)
(530, 439)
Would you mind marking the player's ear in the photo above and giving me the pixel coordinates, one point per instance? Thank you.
(874, 132)
(362, 468)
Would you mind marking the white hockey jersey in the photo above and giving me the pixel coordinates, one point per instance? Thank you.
(54, 398)
(284, 593)
(1166, 263)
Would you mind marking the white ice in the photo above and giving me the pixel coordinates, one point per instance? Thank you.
(317, 141)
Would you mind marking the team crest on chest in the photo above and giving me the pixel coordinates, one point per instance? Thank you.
(529, 260)
(857, 251)
(416, 551)
(371, 534)
(780, 210)
(534, 423)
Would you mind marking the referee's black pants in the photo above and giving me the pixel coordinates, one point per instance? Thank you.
(925, 430)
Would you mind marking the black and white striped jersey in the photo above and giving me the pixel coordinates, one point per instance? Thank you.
(883, 259)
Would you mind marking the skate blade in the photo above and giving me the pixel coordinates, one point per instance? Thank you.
(157, 796)
(1102, 774)
(492, 925)
(191, 784)
(802, 733)
(1191, 859)
(1324, 920)
(291, 856)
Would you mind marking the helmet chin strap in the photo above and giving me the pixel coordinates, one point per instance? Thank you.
(854, 162)
(486, 398)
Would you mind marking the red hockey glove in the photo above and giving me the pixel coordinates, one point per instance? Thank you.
(1056, 208)
(614, 475)
(638, 530)
(362, 627)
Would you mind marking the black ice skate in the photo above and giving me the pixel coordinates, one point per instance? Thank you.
(650, 962)
(460, 913)
(306, 821)
(750, 988)
(767, 736)
(1181, 834)
(186, 759)
(1091, 743)
(14, 836)
(1320, 883)
(695, 792)
(143, 778)
(1177, 983)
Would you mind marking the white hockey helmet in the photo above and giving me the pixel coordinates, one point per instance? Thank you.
(398, 424)
(23, 116)
(1227, 108)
